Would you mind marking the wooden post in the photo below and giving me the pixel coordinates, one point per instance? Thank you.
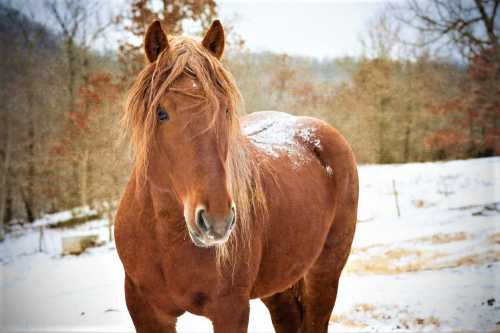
(40, 240)
(445, 186)
(396, 197)
(110, 225)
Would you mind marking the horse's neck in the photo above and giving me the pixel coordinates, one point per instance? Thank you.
(158, 204)
(145, 226)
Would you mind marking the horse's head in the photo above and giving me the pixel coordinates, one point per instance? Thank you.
(182, 111)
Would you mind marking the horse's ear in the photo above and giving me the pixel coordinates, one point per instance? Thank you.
(155, 41)
(214, 39)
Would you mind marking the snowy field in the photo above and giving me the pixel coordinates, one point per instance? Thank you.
(434, 268)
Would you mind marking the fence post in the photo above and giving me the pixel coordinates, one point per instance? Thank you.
(40, 240)
(110, 226)
(396, 197)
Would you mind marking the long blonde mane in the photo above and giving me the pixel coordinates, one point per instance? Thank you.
(188, 56)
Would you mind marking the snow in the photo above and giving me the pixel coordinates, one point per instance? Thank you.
(329, 170)
(51, 219)
(279, 134)
(434, 268)
(25, 241)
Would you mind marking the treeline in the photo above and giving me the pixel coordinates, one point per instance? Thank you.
(391, 111)
(59, 122)
(61, 103)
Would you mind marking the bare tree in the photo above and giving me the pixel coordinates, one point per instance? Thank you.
(29, 38)
(469, 26)
(172, 14)
(383, 37)
(472, 28)
(80, 25)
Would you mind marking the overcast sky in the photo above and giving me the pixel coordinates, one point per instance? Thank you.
(314, 28)
(327, 28)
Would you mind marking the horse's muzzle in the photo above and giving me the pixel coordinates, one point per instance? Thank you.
(212, 231)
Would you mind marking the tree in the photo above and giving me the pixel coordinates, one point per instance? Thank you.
(80, 25)
(172, 14)
(470, 26)
(483, 109)
(89, 134)
(383, 37)
(31, 49)
(473, 128)
(385, 109)
(281, 78)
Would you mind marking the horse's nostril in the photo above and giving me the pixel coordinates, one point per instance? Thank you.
(200, 220)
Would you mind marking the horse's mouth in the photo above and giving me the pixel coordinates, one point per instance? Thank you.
(205, 242)
(197, 240)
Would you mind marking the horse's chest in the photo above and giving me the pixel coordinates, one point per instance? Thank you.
(191, 282)
(170, 277)
(166, 286)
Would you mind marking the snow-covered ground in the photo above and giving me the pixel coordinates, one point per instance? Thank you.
(434, 268)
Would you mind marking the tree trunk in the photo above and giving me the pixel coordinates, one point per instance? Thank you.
(71, 73)
(407, 135)
(3, 177)
(84, 168)
(30, 186)
(381, 128)
(9, 210)
(28, 205)
(75, 196)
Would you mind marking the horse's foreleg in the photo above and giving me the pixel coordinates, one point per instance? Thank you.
(231, 315)
(285, 310)
(144, 316)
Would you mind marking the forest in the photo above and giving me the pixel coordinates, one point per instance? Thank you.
(434, 97)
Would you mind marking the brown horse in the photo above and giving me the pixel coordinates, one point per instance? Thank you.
(219, 211)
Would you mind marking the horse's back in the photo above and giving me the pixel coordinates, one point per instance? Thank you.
(301, 184)
(296, 142)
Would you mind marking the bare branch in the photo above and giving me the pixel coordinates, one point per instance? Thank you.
(467, 24)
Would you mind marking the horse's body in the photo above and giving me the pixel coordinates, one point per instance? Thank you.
(294, 253)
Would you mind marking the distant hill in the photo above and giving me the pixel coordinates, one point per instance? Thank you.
(335, 70)
(17, 29)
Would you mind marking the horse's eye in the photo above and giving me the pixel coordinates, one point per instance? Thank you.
(162, 114)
